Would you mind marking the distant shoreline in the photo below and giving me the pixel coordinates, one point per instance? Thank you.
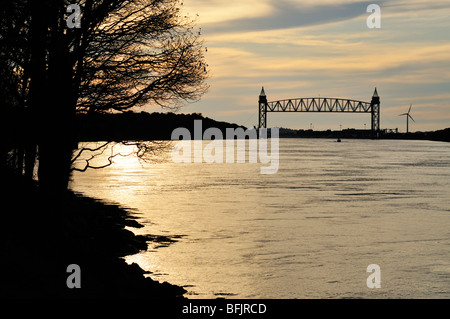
(159, 126)
(367, 138)
(440, 135)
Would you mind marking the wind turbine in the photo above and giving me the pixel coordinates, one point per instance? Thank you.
(408, 116)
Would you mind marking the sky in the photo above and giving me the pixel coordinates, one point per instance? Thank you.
(312, 48)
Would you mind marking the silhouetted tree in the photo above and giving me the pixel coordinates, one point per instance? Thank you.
(142, 51)
(14, 54)
(127, 53)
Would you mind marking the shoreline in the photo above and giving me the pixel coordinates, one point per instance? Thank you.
(42, 236)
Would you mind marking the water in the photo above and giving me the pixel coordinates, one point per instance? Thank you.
(309, 231)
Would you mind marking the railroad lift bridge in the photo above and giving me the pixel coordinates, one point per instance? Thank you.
(321, 105)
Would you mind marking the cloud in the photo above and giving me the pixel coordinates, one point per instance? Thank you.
(415, 5)
(407, 58)
(311, 47)
(218, 11)
(289, 14)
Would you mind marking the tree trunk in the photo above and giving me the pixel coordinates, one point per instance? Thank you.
(57, 114)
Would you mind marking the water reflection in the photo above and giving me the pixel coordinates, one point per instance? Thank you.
(309, 231)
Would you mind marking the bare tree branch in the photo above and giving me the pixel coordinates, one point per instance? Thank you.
(145, 152)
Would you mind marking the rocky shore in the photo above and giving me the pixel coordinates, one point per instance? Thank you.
(41, 236)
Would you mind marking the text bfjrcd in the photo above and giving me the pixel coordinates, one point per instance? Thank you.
(231, 308)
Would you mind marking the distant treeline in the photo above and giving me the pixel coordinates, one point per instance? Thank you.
(130, 126)
(440, 135)
(348, 133)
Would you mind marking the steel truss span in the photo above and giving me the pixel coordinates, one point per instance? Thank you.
(318, 105)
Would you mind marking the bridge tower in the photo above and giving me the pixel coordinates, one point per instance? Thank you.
(375, 109)
(262, 109)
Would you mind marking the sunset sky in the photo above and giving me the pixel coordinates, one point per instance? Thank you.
(324, 48)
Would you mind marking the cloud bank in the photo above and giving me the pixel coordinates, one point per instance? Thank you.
(306, 48)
